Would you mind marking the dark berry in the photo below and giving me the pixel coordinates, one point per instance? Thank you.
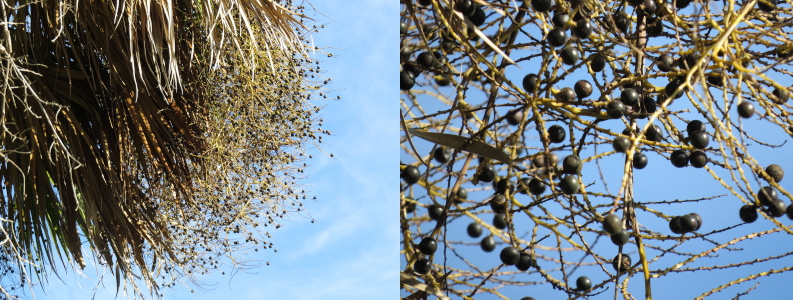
(665, 63)
(699, 220)
(474, 230)
(766, 5)
(624, 265)
(597, 62)
(525, 262)
(688, 223)
(499, 204)
(583, 29)
(479, 17)
(427, 60)
(789, 212)
(425, 2)
(639, 160)
(670, 89)
(503, 185)
(615, 109)
(679, 158)
(410, 174)
(621, 144)
(560, 19)
(523, 185)
(556, 134)
(466, 7)
(648, 105)
(681, 4)
(406, 80)
(699, 139)
(775, 171)
(566, 94)
(556, 37)
(748, 213)
(654, 133)
(428, 245)
(621, 20)
(488, 244)
(510, 255)
(442, 154)
(780, 96)
(620, 237)
(635, 2)
(675, 226)
(698, 159)
(500, 221)
(777, 209)
(422, 266)
(487, 172)
(514, 117)
(410, 205)
(694, 126)
(583, 283)
(536, 187)
(570, 55)
(583, 89)
(436, 212)
(571, 164)
(716, 80)
(530, 83)
(687, 61)
(541, 5)
(629, 96)
(767, 195)
(569, 184)
(649, 7)
(612, 223)
(746, 109)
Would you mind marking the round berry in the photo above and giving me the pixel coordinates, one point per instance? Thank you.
(620, 238)
(621, 144)
(699, 220)
(428, 245)
(780, 96)
(556, 134)
(422, 266)
(572, 164)
(525, 262)
(583, 89)
(624, 265)
(748, 213)
(570, 184)
(410, 174)
(510, 255)
(583, 29)
(474, 230)
(700, 139)
(688, 223)
(488, 244)
(612, 223)
(499, 204)
(505, 185)
(694, 126)
(556, 37)
(767, 195)
(629, 96)
(570, 55)
(698, 159)
(778, 208)
(500, 221)
(406, 80)
(436, 212)
(523, 185)
(789, 212)
(530, 83)
(541, 5)
(479, 17)
(654, 133)
(536, 186)
(746, 109)
(583, 283)
(621, 20)
(679, 158)
(597, 62)
(775, 171)
(442, 154)
(639, 160)
(615, 109)
(487, 172)
(675, 226)
(514, 117)
(566, 94)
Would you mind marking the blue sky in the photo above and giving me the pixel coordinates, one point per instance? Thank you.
(351, 251)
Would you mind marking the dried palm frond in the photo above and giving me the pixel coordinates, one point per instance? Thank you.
(155, 132)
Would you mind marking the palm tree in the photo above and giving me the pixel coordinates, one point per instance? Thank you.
(153, 136)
